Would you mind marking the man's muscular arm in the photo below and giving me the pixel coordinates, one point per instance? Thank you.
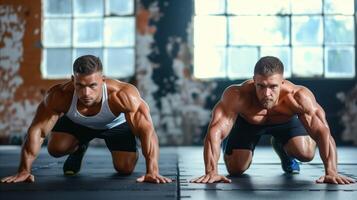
(313, 117)
(138, 116)
(44, 120)
(224, 115)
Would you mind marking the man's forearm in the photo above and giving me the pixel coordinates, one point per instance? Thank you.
(211, 154)
(150, 148)
(30, 149)
(328, 153)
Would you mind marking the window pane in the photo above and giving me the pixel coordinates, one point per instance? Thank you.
(88, 32)
(254, 7)
(85, 51)
(119, 62)
(119, 31)
(241, 62)
(119, 7)
(300, 6)
(209, 62)
(340, 62)
(283, 53)
(339, 30)
(210, 31)
(307, 30)
(85, 8)
(55, 8)
(57, 33)
(57, 63)
(339, 7)
(203, 7)
(267, 31)
(307, 61)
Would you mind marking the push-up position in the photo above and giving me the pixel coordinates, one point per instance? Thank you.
(268, 104)
(88, 107)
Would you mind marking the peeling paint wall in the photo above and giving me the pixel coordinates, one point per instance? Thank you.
(164, 63)
(21, 85)
(180, 105)
(13, 113)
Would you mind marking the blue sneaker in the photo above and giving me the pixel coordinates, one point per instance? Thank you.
(289, 164)
(73, 163)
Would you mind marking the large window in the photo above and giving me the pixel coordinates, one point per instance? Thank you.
(313, 38)
(104, 28)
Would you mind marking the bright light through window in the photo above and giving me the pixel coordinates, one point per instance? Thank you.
(72, 28)
(311, 41)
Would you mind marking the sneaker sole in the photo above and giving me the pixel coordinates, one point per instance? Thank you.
(69, 173)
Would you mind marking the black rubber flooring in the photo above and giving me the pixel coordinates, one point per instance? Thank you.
(98, 180)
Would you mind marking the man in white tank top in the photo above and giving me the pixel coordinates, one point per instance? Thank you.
(91, 106)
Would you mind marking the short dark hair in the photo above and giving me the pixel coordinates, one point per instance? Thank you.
(87, 64)
(269, 65)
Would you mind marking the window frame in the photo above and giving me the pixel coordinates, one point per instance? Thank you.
(325, 45)
(73, 49)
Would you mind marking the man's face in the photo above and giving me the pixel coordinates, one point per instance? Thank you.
(88, 87)
(268, 89)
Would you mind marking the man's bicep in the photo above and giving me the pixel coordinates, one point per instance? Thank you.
(314, 120)
(139, 118)
(222, 119)
(45, 119)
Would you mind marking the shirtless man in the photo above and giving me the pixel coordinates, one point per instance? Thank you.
(268, 104)
(91, 106)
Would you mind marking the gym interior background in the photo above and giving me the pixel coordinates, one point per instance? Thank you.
(180, 54)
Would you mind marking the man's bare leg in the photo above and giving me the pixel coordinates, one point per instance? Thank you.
(238, 162)
(61, 144)
(124, 162)
(301, 147)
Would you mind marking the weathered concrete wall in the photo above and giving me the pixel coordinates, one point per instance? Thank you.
(180, 105)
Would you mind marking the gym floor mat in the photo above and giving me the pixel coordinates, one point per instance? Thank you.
(97, 179)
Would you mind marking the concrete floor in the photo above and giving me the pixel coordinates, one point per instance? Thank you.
(98, 180)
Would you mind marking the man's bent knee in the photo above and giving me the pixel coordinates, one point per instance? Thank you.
(238, 162)
(236, 171)
(61, 144)
(305, 156)
(124, 169)
(56, 152)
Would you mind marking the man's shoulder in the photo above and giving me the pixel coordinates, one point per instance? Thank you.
(299, 91)
(123, 96)
(240, 90)
(299, 97)
(238, 96)
(295, 90)
(61, 88)
(59, 96)
(119, 88)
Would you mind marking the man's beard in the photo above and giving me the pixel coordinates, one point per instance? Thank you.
(267, 103)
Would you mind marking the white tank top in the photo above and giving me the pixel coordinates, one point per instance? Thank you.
(104, 119)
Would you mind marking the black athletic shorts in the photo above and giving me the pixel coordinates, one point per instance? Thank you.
(118, 138)
(246, 136)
